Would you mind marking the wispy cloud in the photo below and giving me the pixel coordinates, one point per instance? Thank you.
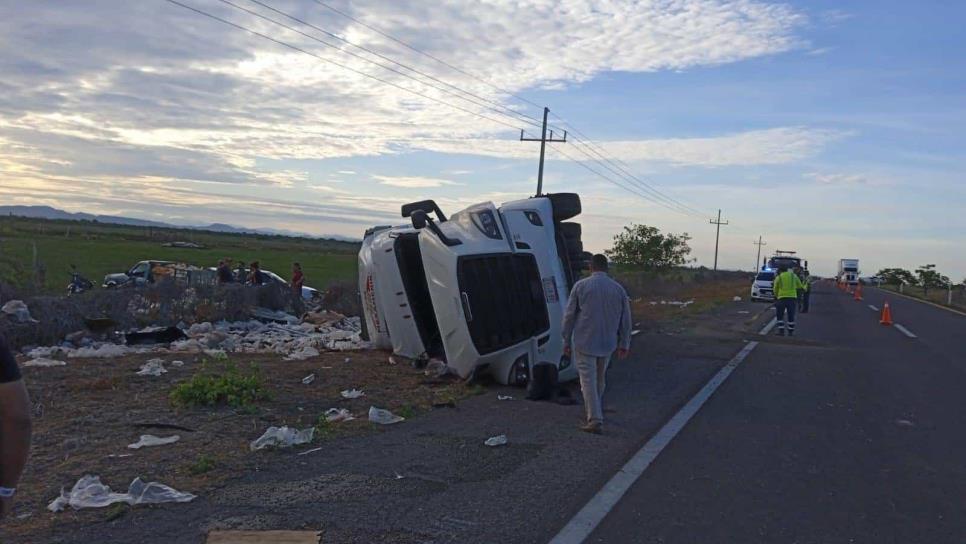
(413, 182)
(837, 179)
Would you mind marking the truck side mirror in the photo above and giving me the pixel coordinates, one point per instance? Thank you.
(418, 218)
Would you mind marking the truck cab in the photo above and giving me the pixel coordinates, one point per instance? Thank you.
(484, 289)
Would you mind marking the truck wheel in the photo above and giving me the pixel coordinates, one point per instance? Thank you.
(570, 231)
(565, 205)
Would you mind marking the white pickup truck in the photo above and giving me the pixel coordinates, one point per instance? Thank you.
(484, 289)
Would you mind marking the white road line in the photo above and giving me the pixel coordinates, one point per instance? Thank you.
(904, 330)
(584, 523)
(767, 328)
(873, 308)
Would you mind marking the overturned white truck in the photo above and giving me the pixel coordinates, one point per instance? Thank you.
(485, 289)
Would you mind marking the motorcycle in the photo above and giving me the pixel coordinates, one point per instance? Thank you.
(78, 284)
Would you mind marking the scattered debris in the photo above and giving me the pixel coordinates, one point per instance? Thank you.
(905, 423)
(274, 316)
(392, 361)
(42, 361)
(737, 299)
(283, 437)
(303, 353)
(348, 359)
(635, 332)
(744, 312)
(151, 440)
(324, 317)
(309, 379)
(436, 368)
(89, 492)
(383, 417)
(18, 311)
(154, 367)
(177, 363)
(306, 452)
(333, 415)
(102, 351)
(495, 441)
(352, 393)
(504, 397)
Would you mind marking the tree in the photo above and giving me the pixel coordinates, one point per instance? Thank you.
(896, 276)
(646, 247)
(929, 277)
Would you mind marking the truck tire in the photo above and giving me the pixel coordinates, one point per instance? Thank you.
(565, 205)
(570, 231)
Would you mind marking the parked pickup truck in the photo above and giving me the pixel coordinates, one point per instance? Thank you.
(484, 289)
(146, 272)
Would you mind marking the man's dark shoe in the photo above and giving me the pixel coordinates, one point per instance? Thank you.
(593, 428)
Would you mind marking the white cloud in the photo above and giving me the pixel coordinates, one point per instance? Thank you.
(413, 182)
(837, 179)
(346, 172)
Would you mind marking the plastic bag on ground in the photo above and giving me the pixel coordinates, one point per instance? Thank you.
(737, 299)
(17, 310)
(89, 492)
(352, 394)
(383, 417)
(154, 367)
(436, 368)
(309, 379)
(495, 441)
(283, 437)
(151, 440)
(100, 352)
(42, 361)
(333, 415)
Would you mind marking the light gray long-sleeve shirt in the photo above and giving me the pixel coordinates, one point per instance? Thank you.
(598, 316)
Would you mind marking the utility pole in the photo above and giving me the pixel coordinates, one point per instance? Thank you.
(543, 146)
(759, 243)
(717, 235)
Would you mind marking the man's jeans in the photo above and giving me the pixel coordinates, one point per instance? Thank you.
(592, 371)
(786, 307)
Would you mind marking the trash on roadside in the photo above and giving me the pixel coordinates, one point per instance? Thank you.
(177, 363)
(102, 351)
(324, 317)
(18, 311)
(736, 299)
(306, 452)
(333, 415)
(309, 379)
(348, 359)
(154, 335)
(392, 360)
(151, 440)
(744, 312)
(383, 417)
(504, 397)
(43, 362)
(352, 393)
(273, 316)
(905, 423)
(635, 332)
(154, 367)
(283, 437)
(89, 492)
(303, 353)
(495, 441)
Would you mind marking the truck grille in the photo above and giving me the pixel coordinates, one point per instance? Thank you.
(503, 299)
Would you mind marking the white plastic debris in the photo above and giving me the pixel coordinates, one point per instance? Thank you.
(199, 329)
(18, 311)
(309, 379)
(504, 397)
(495, 441)
(352, 394)
(89, 492)
(43, 361)
(383, 417)
(177, 363)
(306, 452)
(333, 415)
(737, 299)
(154, 367)
(302, 353)
(635, 332)
(283, 437)
(102, 351)
(436, 368)
(348, 359)
(151, 440)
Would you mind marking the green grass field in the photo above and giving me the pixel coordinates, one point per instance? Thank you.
(98, 249)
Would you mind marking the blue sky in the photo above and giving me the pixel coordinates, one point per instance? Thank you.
(828, 128)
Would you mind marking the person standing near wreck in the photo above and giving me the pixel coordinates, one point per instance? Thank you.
(224, 272)
(255, 276)
(597, 322)
(15, 427)
(298, 280)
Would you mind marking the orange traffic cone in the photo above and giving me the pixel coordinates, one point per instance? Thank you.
(886, 315)
(858, 292)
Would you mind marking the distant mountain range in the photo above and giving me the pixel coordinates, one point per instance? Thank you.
(48, 212)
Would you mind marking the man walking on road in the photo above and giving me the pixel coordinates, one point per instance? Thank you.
(786, 286)
(597, 321)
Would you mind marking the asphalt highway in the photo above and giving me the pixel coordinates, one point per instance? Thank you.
(849, 432)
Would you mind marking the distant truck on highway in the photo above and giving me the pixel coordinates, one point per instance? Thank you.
(848, 271)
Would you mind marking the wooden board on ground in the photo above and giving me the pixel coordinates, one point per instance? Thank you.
(264, 537)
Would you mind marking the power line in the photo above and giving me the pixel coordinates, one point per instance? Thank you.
(335, 63)
(513, 113)
(364, 59)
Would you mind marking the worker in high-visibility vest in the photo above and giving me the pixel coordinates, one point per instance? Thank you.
(785, 286)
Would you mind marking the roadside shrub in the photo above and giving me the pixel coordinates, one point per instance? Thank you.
(229, 387)
(204, 463)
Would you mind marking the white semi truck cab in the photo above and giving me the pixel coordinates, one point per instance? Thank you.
(484, 289)
(848, 271)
